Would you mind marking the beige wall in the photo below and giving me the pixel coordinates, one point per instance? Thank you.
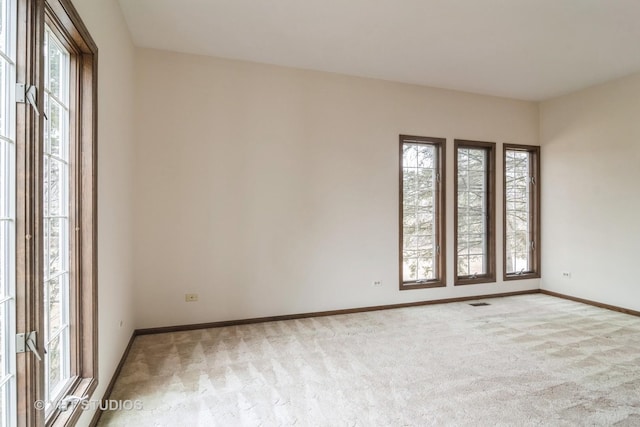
(115, 198)
(270, 190)
(590, 197)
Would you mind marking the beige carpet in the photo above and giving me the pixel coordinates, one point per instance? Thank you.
(524, 360)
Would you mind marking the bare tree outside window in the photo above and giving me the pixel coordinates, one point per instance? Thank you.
(474, 212)
(421, 212)
(521, 211)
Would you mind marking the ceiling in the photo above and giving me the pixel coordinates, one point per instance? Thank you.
(524, 49)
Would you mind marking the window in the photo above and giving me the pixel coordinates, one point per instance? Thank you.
(7, 213)
(47, 211)
(56, 187)
(422, 193)
(474, 212)
(68, 209)
(521, 212)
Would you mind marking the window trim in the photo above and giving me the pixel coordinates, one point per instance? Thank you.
(534, 273)
(490, 276)
(441, 276)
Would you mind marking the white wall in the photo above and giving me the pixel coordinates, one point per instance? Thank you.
(270, 190)
(115, 198)
(590, 197)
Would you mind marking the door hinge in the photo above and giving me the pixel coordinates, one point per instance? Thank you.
(28, 342)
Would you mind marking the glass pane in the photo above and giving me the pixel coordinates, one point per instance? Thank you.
(56, 221)
(472, 211)
(426, 157)
(57, 187)
(54, 300)
(54, 83)
(3, 405)
(477, 158)
(409, 155)
(45, 243)
(477, 264)
(54, 365)
(419, 203)
(517, 210)
(476, 180)
(4, 258)
(47, 124)
(7, 228)
(45, 186)
(463, 265)
(3, 349)
(410, 267)
(56, 128)
(3, 26)
(4, 101)
(55, 249)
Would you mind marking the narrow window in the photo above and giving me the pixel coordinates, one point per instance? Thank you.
(7, 213)
(68, 210)
(521, 212)
(422, 192)
(56, 189)
(474, 212)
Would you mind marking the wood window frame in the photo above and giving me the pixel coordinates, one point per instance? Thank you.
(63, 18)
(534, 208)
(29, 265)
(440, 214)
(490, 275)
(64, 21)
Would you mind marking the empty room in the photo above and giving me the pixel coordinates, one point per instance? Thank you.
(319, 213)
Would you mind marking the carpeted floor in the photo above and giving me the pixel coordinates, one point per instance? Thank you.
(520, 361)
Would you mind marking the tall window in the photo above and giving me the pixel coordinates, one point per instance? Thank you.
(7, 213)
(521, 211)
(474, 212)
(68, 210)
(422, 195)
(56, 188)
(48, 259)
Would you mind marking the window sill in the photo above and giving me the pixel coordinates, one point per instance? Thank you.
(82, 387)
(531, 275)
(405, 286)
(482, 279)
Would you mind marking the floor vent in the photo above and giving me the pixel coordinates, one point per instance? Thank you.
(479, 304)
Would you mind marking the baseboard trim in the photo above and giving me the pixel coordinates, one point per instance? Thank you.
(178, 328)
(590, 302)
(165, 329)
(195, 326)
(116, 374)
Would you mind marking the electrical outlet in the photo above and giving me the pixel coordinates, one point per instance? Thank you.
(377, 283)
(191, 297)
(566, 275)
